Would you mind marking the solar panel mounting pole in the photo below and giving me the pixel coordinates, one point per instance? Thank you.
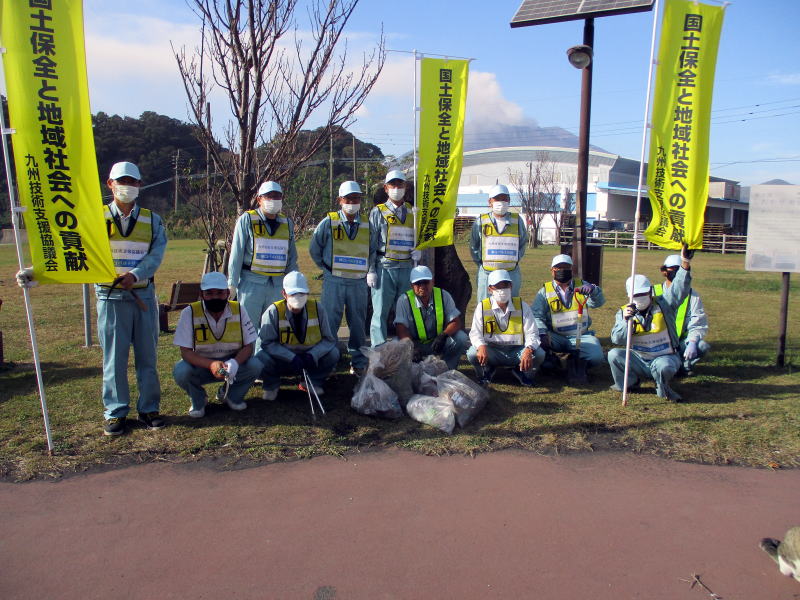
(579, 243)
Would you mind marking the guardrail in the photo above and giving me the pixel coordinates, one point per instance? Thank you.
(720, 243)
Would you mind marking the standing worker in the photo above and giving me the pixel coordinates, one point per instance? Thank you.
(393, 223)
(344, 248)
(498, 241)
(691, 322)
(262, 252)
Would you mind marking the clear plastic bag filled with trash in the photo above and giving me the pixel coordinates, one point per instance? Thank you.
(432, 410)
(468, 397)
(374, 397)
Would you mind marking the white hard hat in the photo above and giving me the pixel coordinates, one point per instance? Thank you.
(673, 260)
(269, 186)
(561, 258)
(125, 169)
(295, 283)
(421, 273)
(497, 276)
(641, 285)
(214, 281)
(349, 187)
(498, 190)
(395, 174)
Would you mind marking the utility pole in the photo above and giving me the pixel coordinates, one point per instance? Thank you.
(177, 160)
(330, 170)
(355, 177)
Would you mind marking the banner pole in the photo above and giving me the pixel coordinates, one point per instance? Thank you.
(416, 110)
(16, 211)
(628, 337)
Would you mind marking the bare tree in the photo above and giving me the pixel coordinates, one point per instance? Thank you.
(538, 188)
(275, 77)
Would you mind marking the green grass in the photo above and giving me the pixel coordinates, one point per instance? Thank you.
(739, 409)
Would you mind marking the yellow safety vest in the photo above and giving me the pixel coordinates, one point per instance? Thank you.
(438, 307)
(400, 237)
(513, 334)
(270, 252)
(287, 336)
(654, 341)
(350, 257)
(207, 344)
(129, 250)
(565, 319)
(680, 317)
(499, 250)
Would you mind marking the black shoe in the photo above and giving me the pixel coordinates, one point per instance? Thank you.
(152, 420)
(488, 375)
(522, 378)
(114, 426)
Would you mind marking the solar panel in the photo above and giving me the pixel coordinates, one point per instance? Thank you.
(539, 12)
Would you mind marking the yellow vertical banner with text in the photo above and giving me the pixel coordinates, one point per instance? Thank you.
(443, 100)
(677, 173)
(56, 168)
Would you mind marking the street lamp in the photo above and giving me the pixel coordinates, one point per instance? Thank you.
(580, 56)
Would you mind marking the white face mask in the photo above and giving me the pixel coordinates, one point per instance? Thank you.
(125, 193)
(351, 209)
(501, 296)
(396, 194)
(642, 303)
(500, 208)
(297, 301)
(271, 207)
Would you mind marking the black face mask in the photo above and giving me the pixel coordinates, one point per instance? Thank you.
(216, 305)
(563, 275)
(670, 274)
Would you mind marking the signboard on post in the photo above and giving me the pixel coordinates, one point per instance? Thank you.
(773, 227)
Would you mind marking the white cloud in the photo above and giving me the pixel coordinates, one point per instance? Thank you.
(488, 107)
(784, 78)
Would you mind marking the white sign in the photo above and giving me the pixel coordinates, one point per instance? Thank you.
(773, 229)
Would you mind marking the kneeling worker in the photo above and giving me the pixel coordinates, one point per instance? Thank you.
(428, 315)
(216, 339)
(295, 336)
(504, 334)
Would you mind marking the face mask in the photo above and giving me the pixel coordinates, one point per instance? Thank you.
(642, 303)
(670, 274)
(396, 194)
(271, 207)
(215, 305)
(500, 208)
(351, 209)
(502, 296)
(297, 301)
(563, 275)
(125, 193)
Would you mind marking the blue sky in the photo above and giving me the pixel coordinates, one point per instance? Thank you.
(518, 76)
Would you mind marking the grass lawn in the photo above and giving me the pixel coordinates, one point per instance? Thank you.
(738, 409)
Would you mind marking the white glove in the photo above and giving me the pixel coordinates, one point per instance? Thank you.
(25, 278)
(232, 367)
(232, 291)
(372, 280)
(416, 255)
(690, 353)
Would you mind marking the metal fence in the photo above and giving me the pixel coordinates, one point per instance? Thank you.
(720, 243)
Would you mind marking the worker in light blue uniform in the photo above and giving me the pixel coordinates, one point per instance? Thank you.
(691, 321)
(344, 248)
(393, 223)
(295, 336)
(262, 252)
(655, 341)
(498, 241)
(556, 308)
(429, 317)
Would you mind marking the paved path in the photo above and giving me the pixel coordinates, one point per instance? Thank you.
(399, 525)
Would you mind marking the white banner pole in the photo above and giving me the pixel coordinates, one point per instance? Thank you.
(416, 133)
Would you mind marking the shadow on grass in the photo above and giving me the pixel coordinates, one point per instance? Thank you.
(21, 380)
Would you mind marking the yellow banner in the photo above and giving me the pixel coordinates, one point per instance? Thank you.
(443, 99)
(677, 174)
(55, 163)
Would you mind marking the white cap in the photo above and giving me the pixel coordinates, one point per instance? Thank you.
(395, 174)
(641, 285)
(214, 281)
(269, 186)
(295, 283)
(673, 260)
(497, 190)
(349, 187)
(125, 169)
(497, 276)
(561, 258)
(420, 273)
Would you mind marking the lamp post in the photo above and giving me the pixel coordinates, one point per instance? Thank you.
(581, 57)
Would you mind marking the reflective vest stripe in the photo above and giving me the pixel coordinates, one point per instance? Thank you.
(680, 317)
(270, 252)
(349, 257)
(565, 319)
(287, 336)
(205, 343)
(438, 307)
(499, 250)
(513, 334)
(400, 237)
(128, 251)
(654, 341)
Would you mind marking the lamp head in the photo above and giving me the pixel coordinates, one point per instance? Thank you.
(580, 56)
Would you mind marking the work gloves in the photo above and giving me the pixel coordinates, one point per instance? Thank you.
(232, 291)
(232, 367)
(25, 278)
(690, 353)
(437, 346)
(629, 311)
(372, 280)
(416, 255)
(586, 289)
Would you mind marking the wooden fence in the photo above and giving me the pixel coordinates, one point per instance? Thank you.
(720, 243)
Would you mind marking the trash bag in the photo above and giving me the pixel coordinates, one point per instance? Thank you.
(468, 397)
(433, 365)
(433, 411)
(392, 363)
(422, 382)
(374, 397)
